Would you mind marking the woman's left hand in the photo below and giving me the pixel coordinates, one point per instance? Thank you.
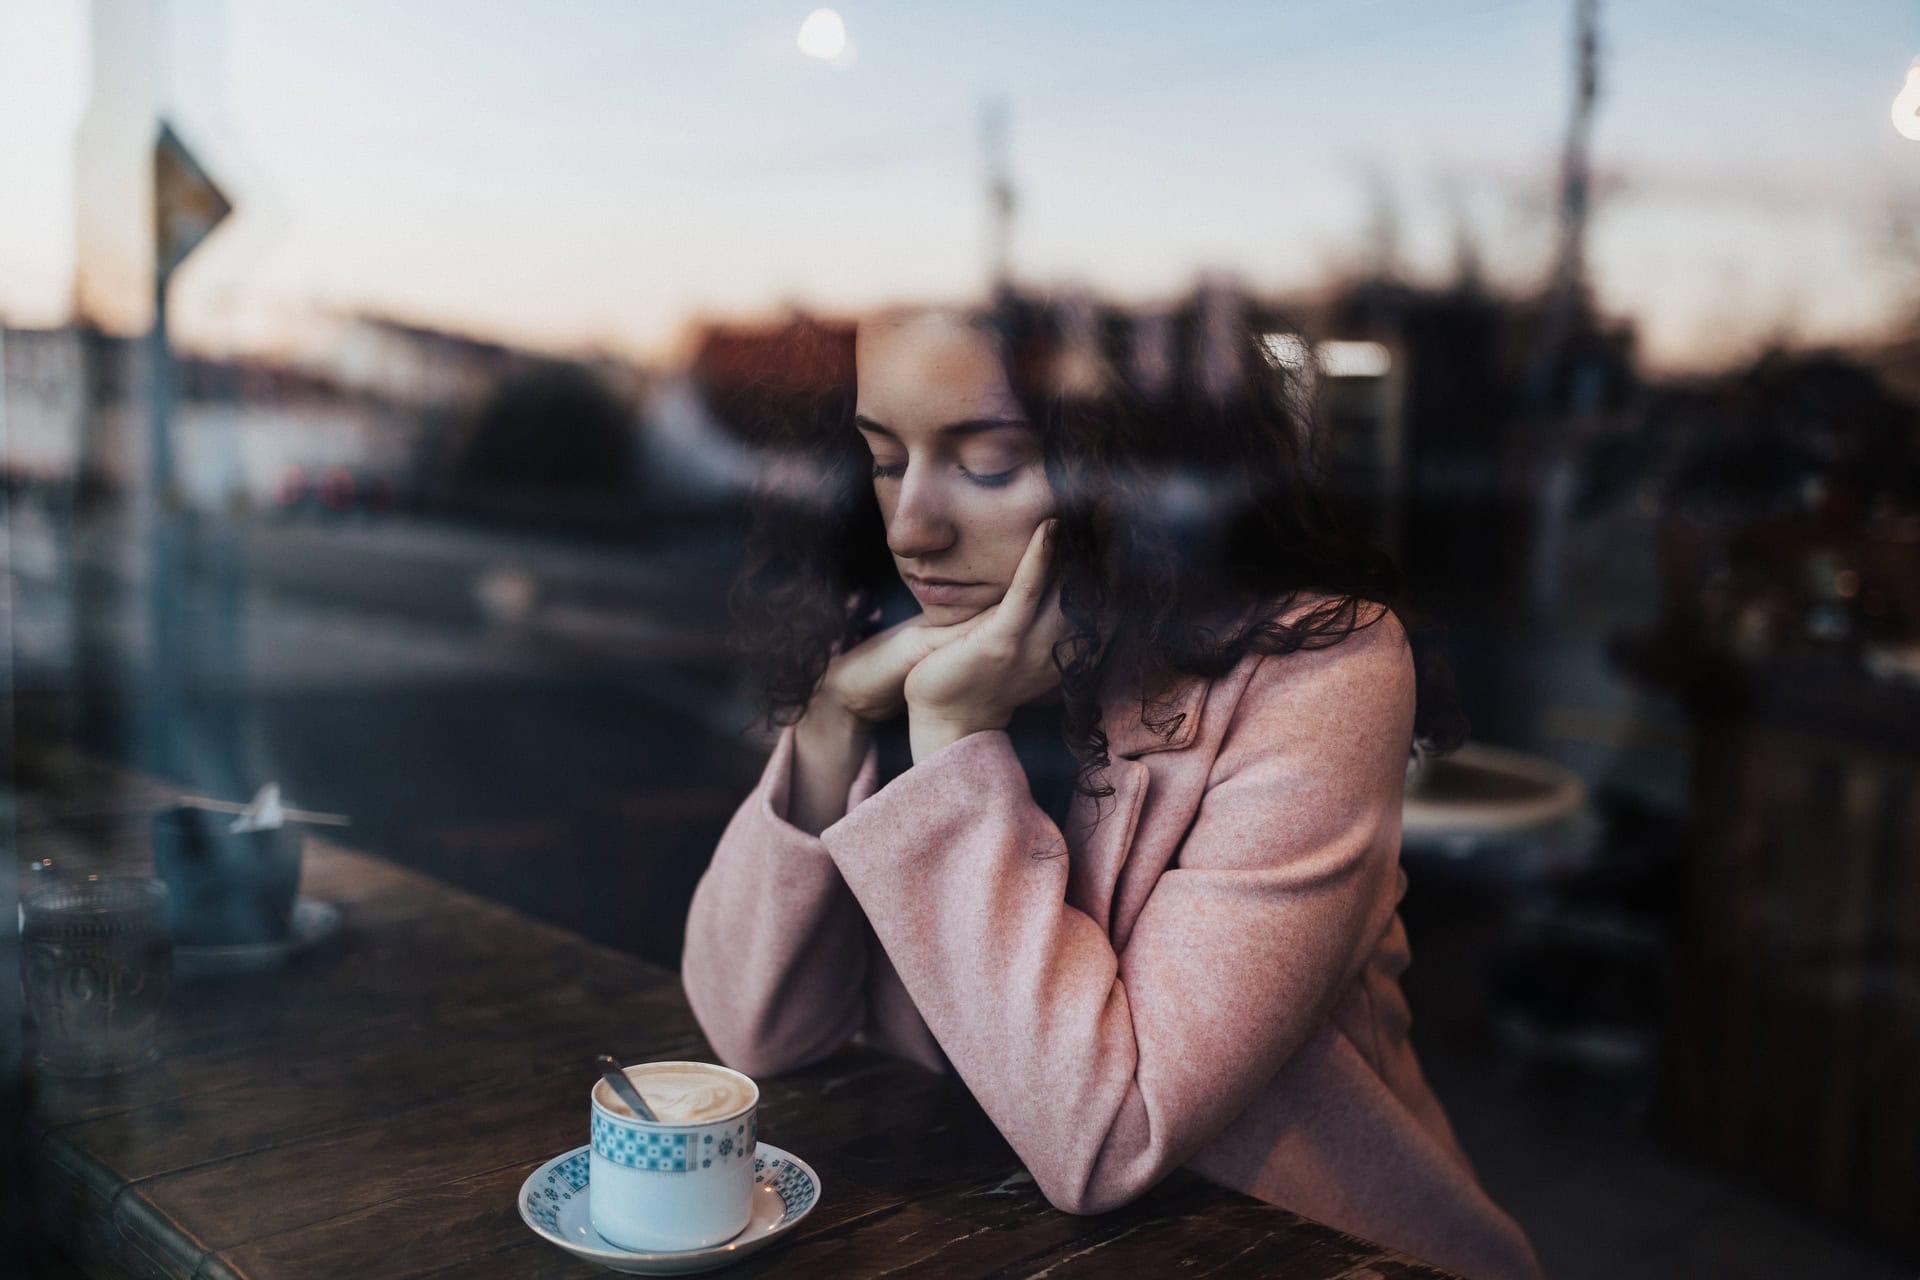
(975, 683)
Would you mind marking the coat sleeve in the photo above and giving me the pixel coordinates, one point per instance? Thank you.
(1104, 1070)
(775, 962)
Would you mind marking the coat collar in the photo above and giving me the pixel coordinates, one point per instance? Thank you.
(1102, 841)
(1178, 705)
(1128, 734)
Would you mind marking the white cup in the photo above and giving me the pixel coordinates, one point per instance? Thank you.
(671, 1185)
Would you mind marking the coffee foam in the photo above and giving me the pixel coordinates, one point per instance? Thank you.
(683, 1092)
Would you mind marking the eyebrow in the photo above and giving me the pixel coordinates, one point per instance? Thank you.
(965, 427)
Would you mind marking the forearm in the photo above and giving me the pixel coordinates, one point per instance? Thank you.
(1018, 988)
(775, 957)
(829, 746)
(931, 731)
(1103, 1071)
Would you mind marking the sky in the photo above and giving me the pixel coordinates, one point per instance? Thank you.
(603, 173)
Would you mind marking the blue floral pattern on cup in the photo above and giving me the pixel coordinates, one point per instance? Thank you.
(641, 1148)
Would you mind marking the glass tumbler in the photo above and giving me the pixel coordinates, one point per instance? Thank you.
(96, 959)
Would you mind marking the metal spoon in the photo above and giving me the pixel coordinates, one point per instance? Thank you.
(617, 1079)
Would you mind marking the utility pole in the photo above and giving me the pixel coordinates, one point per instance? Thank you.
(1566, 291)
(1576, 177)
(1000, 199)
(1549, 453)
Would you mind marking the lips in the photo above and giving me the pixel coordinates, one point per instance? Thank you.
(938, 590)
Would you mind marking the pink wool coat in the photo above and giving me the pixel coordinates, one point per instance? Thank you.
(1202, 970)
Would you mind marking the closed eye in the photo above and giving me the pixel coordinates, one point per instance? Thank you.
(997, 480)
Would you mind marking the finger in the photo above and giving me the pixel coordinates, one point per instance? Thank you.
(931, 638)
(1053, 619)
(1030, 584)
(914, 639)
(890, 638)
(901, 628)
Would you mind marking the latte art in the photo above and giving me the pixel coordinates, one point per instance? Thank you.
(685, 1092)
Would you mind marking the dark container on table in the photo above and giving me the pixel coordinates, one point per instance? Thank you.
(225, 889)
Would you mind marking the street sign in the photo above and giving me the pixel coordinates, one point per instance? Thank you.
(187, 206)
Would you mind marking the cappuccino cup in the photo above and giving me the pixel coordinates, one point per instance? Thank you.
(685, 1179)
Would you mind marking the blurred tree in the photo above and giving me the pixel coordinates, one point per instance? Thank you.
(553, 429)
(1757, 438)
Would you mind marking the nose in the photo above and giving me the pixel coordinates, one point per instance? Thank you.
(920, 523)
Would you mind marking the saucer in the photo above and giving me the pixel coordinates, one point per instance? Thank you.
(313, 922)
(553, 1201)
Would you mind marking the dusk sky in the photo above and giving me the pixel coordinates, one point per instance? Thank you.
(602, 173)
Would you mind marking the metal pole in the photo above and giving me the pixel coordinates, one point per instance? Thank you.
(159, 404)
(160, 690)
(1566, 290)
(1548, 455)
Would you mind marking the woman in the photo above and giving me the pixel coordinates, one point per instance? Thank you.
(1109, 824)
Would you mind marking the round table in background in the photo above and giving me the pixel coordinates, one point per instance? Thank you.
(1478, 797)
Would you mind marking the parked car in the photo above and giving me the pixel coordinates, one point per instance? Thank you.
(336, 491)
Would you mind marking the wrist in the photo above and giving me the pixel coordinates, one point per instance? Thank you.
(827, 750)
(930, 731)
(842, 708)
(828, 724)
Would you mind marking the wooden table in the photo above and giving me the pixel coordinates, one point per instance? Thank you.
(372, 1110)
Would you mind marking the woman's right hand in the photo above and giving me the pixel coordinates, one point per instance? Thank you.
(868, 681)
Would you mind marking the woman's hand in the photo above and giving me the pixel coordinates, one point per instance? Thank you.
(868, 681)
(861, 687)
(1003, 659)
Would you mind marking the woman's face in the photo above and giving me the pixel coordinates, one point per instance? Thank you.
(956, 467)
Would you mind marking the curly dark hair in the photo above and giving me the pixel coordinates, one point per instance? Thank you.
(1193, 515)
